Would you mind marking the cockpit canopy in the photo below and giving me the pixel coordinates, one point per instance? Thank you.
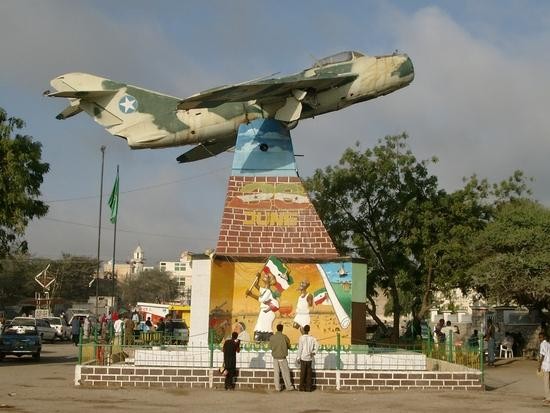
(338, 58)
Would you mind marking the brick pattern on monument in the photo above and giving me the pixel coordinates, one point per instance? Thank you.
(266, 228)
(262, 379)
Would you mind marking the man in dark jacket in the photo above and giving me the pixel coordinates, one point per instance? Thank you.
(230, 349)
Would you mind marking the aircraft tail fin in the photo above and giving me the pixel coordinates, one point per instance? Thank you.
(123, 110)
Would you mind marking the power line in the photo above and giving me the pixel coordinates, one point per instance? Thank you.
(126, 231)
(143, 188)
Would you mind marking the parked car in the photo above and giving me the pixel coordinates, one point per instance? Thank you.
(180, 334)
(45, 331)
(19, 340)
(82, 316)
(62, 330)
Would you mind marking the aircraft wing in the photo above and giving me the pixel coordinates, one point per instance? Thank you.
(264, 90)
(207, 149)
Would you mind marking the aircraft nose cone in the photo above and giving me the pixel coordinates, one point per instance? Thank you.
(406, 69)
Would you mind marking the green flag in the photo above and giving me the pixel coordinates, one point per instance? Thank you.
(113, 200)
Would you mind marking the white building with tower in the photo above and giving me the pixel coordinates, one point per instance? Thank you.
(134, 266)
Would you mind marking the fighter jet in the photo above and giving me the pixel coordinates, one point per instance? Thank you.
(210, 119)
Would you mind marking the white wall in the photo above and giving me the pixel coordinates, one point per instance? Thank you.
(200, 301)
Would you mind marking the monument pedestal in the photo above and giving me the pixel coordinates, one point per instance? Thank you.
(274, 260)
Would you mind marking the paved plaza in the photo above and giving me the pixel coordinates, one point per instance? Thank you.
(27, 386)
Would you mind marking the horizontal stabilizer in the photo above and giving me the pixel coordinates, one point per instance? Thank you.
(82, 94)
(205, 150)
(71, 110)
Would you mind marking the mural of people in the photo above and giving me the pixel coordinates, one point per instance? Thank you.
(305, 301)
(269, 305)
(271, 298)
(240, 328)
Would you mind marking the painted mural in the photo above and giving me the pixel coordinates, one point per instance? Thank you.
(252, 298)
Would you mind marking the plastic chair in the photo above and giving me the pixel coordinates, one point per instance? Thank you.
(506, 352)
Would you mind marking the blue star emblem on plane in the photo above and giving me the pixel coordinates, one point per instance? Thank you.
(128, 104)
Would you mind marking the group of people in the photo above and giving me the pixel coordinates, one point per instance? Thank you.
(127, 326)
(444, 330)
(279, 344)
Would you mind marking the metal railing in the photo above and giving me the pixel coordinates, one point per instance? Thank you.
(110, 348)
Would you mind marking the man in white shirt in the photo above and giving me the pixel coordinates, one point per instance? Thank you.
(118, 329)
(544, 366)
(307, 347)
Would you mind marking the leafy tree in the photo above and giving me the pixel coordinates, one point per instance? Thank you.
(72, 273)
(73, 278)
(370, 204)
(513, 256)
(149, 286)
(17, 279)
(439, 243)
(383, 204)
(21, 175)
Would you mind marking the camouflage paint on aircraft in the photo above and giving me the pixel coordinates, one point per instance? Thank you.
(210, 119)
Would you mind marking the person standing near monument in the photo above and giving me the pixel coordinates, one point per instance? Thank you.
(230, 349)
(307, 347)
(280, 344)
(544, 366)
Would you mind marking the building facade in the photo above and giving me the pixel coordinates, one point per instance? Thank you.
(181, 271)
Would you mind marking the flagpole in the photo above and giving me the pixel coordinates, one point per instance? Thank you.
(114, 242)
(99, 233)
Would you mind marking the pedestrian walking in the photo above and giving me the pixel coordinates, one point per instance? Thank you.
(280, 344)
(307, 347)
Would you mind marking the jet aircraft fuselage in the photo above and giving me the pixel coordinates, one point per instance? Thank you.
(210, 119)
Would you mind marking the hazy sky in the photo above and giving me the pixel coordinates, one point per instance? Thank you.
(479, 101)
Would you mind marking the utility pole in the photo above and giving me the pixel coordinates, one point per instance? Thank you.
(99, 233)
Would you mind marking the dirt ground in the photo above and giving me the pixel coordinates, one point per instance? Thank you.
(27, 386)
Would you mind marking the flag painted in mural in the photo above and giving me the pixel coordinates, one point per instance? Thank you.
(281, 273)
(320, 296)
